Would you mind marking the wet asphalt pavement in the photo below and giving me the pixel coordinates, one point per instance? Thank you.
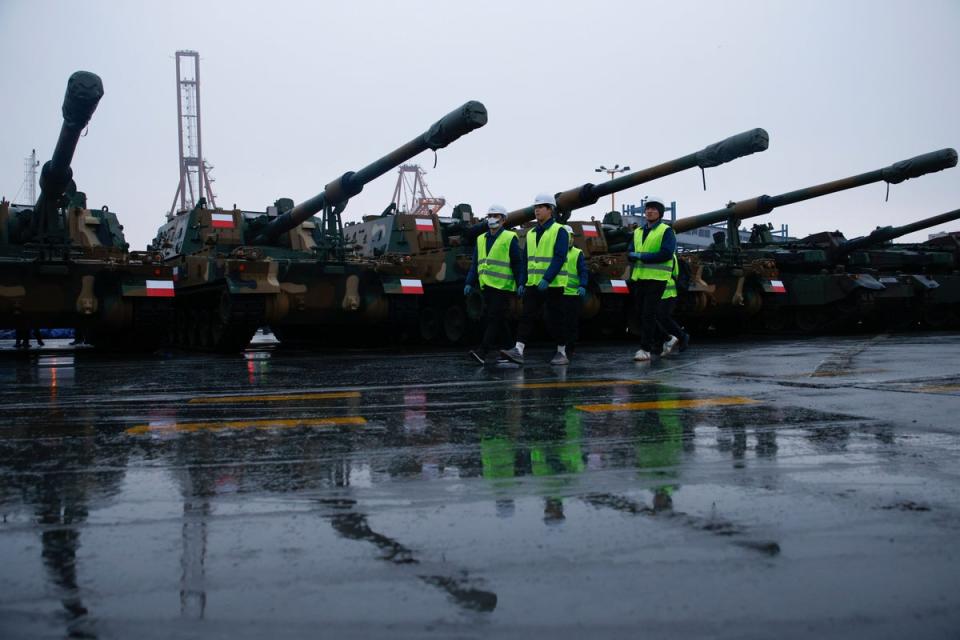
(750, 489)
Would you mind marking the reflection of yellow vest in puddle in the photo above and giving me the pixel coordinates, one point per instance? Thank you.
(567, 454)
(659, 449)
(498, 457)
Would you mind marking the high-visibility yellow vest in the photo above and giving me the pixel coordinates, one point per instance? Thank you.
(493, 268)
(650, 271)
(670, 291)
(540, 254)
(569, 273)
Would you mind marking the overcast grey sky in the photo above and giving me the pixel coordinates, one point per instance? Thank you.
(295, 93)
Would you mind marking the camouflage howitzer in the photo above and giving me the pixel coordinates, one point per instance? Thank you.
(920, 284)
(64, 265)
(731, 283)
(239, 270)
(604, 245)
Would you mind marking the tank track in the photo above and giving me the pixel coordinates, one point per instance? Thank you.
(214, 320)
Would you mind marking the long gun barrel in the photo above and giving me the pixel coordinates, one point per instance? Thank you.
(894, 174)
(738, 146)
(84, 90)
(459, 122)
(884, 234)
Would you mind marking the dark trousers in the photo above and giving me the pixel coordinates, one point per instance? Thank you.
(534, 302)
(665, 321)
(647, 294)
(496, 329)
(571, 321)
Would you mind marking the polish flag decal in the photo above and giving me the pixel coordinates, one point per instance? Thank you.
(424, 224)
(414, 287)
(590, 232)
(222, 220)
(776, 286)
(619, 286)
(159, 288)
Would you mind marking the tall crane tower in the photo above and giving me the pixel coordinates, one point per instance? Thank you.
(411, 194)
(194, 171)
(30, 165)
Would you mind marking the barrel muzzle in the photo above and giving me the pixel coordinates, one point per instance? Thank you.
(920, 165)
(742, 144)
(459, 122)
(84, 90)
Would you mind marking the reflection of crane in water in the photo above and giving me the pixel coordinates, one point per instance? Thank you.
(411, 194)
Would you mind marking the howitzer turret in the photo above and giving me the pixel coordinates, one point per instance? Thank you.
(885, 234)
(459, 122)
(84, 90)
(734, 147)
(894, 174)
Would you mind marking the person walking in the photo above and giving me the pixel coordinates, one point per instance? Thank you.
(546, 252)
(651, 254)
(574, 291)
(498, 271)
(665, 323)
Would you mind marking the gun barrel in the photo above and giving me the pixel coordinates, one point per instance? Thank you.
(459, 122)
(84, 90)
(738, 146)
(894, 174)
(879, 236)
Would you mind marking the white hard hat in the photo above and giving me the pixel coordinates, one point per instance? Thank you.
(545, 198)
(497, 209)
(654, 200)
(568, 229)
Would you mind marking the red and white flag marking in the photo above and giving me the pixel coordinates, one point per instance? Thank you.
(222, 220)
(159, 288)
(590, 232)
(619, 286)
(776, 286)
(424, 224)
(411, 286)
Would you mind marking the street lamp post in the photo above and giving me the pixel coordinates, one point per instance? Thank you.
(616, 169)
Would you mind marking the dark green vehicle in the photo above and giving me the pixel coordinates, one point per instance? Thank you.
(239, 270)
(63, 264)
(813, 292)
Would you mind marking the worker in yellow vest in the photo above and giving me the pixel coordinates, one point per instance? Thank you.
(665, 323)
(498, 271)
(651, 253)
(574, 290)
(546, 252)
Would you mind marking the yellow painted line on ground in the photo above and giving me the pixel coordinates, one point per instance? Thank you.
(573, 385)
(275, 398)
(654, 405)
(946, 388)
(285, 423)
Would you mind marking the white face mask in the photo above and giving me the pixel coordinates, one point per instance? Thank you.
(493, 223)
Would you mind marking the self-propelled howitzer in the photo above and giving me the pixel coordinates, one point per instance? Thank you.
(238, 270)
(64, 265)
(808, 293)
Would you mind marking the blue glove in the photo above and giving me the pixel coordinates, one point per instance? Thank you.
(542, 285)
(467, 290)
(520, 290)
(581, 292)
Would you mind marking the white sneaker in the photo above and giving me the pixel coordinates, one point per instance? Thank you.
(641, 355)
(669, 345)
